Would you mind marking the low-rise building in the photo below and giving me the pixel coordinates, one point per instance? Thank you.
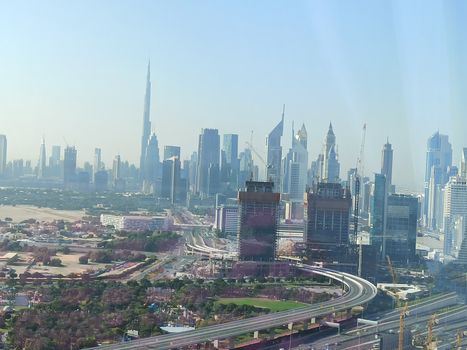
(135, 222)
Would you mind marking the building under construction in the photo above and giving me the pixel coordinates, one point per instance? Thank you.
(327, 215)
(258, 221)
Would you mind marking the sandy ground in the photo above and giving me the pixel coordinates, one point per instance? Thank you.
(23, 212)
(70, 264)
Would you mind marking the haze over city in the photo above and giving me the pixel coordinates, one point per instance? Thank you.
(73, 74)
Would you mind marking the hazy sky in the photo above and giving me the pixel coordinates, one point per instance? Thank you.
(75, 71)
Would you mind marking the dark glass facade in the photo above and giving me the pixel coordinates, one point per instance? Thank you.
(401, 228)
(327, 215)
(258, 221)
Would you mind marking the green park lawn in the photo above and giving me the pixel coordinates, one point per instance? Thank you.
(273, 305)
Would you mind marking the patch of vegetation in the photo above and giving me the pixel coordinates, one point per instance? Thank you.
(273, 305)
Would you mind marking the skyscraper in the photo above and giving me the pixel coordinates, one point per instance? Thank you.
(258, 220)
(69, 165)
(42, 165)
(171, 151)
(274, 153)
(230, 163)
(146, 123)
(116, 168)
(54, 161)
(463, 173)
(378, 214)
(327, 215)
(401, 228)
(97, 166)
(455, 218)
(438, 154)
(3, 149)
(296, 166)
(170, 179)
(331, 167)
(208, 158)
(386, 164)
(151, 165)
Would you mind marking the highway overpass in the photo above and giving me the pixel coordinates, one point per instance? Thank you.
(358, 292)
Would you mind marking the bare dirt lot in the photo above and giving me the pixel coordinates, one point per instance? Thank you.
(23, 212)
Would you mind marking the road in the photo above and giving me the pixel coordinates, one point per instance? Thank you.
(418, 316)
(358, 292)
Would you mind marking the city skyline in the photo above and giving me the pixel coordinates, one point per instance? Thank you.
(319, 77)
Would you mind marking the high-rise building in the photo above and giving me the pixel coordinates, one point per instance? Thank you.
(400, 236)
(42, 165)
(463, 172)
(327, 216)
(296, 171)
(193, 169)
(274, 153)
(97, 165)
(69, 165)
(258, 221)
(435, 198)
(146, 125)
(226, 219)
(330, 168)
(171, 179)
(386, 164)
(208, 158)
(438, 154)
(378, 214)
(171, 151)
(101, 179)
(54, 161)
(18, 168)
(116, 168)
(455, 218)
(3, 149)
(230, 163)
(152, 165)
(246, 167)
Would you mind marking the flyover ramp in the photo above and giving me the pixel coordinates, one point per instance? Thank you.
(358, 292)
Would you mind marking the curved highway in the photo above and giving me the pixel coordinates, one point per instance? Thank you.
(358, 292)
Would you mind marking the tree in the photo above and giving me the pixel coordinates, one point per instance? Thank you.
(84, 259)
(55, 262)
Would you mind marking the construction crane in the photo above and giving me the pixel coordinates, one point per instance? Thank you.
(429, 336)
(359, 172)
(391, 270)
(402, 315)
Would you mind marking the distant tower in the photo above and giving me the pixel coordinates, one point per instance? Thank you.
(463, 173)
(3, 146)
(146, 123)
(438, 154)
(296, 167)
(69, 165)
(97, 163)
(41, 167)
(331, 167)
(152, 165)
(274, 153)
(386, 163)
(171, 151)
(207, 174)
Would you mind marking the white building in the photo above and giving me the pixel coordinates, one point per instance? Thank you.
(226, 219)
(135, 222)
(455, 216)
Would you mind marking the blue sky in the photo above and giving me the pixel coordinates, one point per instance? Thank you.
(74, 72)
